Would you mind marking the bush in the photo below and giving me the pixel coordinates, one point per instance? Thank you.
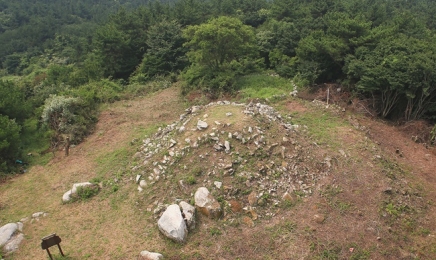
(85, 192)
(68, 116)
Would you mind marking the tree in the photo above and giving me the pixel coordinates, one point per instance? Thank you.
(9, 141)
(165, 52)
(219, 41)
(67, 117)
(218, 50)
(400, 72)
(12, 102)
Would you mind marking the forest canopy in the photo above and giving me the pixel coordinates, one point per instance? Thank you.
(84, 53)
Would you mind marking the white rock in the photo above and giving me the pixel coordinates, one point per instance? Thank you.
(6, 232)
(172, 224)
(13, 243)
(20, 226)
(145, 255)
(227, 145)
(189, 213)
(140, 189)
(195, 109)
(201, 125)
(138, 177)
(218, 184)
(142, 184)
(37, 214)
(207, 204)
(67, 196)
(229, 114)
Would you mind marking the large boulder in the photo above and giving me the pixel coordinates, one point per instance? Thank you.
(13, 243)
(145, 255)
(189, 213)
(6, 232)
(172, 224)
(207, 204)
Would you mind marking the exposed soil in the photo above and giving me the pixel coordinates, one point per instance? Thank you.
(348, 216)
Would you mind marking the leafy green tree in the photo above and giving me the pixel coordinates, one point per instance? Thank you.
(400, 72)
(9, 142)
(219, 41)
(165, 52)
(218, 50)
(326, 51)
(67, 117)
(13, 102)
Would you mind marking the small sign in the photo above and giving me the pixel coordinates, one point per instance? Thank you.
(50, 241)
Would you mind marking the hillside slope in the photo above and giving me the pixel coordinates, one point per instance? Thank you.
(358, 188)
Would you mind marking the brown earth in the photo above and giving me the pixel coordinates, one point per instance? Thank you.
(377, 202)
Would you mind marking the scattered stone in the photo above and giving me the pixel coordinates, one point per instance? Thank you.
(138, 177)
(319, 218)
(145, 255)
(252, 198)
(201, 125)
(288, 197)
(218, 147)
(188, 212)
(172, 224)
(39, 214)
(182, 186)
(248, 221)
(140, 189)
(218, 184)
(229, 114)
(342, 152)
(207, 204)
(227, 146)
(235, 206)
(195, 109)
(143, 184)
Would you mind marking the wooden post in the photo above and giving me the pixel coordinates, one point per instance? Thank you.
(48, 252)
(67, 147)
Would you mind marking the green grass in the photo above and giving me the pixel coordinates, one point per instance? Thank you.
(322, 127)
(35, 141)
(263, 86)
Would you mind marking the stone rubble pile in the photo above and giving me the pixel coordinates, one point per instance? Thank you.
(272, 166)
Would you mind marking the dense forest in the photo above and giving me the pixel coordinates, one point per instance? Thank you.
(60, 59)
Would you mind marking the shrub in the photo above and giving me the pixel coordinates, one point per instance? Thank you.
(86, 192)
